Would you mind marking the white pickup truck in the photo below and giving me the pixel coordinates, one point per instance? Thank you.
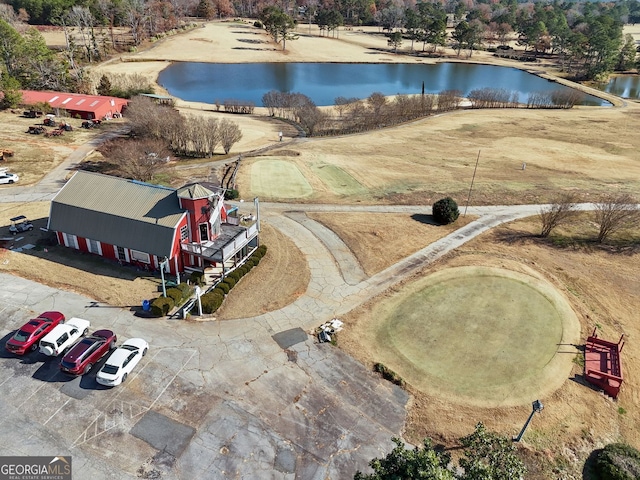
(64, 336)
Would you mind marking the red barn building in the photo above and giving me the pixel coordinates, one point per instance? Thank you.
(76, 104)
(143, 224)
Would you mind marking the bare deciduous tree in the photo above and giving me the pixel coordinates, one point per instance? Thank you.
(615, 212)
(148, 119)
(561, 209)
(229, 133)
(135, 17)
(448, 100)
(139, 160)
(377, 101)
(8, 14)
(78, 24)
(310, 118)
(343, 104)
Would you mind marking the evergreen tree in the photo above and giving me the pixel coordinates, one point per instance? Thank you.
(104, 88)
(445, 211)
(205, 9)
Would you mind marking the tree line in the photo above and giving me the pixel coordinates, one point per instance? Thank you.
(354, 115)
(26, 62)
(160, 131)
(586, 37)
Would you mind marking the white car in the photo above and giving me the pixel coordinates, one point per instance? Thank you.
(122, 361)
(7, 177)
(64, 336)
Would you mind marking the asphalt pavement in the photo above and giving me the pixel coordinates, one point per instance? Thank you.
(220, 399)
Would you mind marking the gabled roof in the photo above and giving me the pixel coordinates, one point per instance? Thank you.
(73, 101)
(121, 212)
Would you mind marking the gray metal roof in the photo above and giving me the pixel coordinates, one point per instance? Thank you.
(194, 191)
(117, 211)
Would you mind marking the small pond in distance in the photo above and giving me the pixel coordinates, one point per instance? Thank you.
(625, 86)
(323, 82)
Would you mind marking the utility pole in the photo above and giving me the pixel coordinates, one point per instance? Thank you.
(471, 186)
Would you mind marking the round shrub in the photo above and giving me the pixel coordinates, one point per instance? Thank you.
(224, 287)
(197, 278)
(618, 461)
(231, 194)
(235, 275)
(211, 302)
(256, 258)
(218, 291)
(229, 281)
(185, 289)
(250, 263)
(445, 211)
(161, 306)
(175, 294)
(239, 273)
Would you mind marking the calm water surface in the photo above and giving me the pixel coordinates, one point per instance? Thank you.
(323, 82)
(625, 86)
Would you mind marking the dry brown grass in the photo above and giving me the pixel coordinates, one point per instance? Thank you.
(587, 150)
(280, 278)
(373, 237)
(37, 155)
(601, 284)
(59, 267)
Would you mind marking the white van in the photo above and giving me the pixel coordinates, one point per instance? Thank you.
(64, 336)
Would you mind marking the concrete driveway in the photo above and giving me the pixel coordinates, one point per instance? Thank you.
(231, 399)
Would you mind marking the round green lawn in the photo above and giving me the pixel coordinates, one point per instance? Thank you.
(479, 334)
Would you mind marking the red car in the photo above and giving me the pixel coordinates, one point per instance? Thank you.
(87, 352)
(27, 337)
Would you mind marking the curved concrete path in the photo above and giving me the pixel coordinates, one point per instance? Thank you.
(234, 401)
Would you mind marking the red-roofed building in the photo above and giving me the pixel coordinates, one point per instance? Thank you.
(76, 104)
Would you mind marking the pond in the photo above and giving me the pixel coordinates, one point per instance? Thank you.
(625, 86)
(323, 82)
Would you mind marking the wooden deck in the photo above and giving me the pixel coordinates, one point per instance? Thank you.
(602, 364)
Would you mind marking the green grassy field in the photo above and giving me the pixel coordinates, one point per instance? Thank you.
(274, 178)
(278, 179)
(482, 334)
(337, 180)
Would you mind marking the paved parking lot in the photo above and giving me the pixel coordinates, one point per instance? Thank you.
(210, 400)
